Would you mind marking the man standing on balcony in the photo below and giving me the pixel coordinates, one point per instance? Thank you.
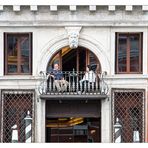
(59, 82)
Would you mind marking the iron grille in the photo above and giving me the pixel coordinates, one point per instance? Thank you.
(128, 107)
(15, 104)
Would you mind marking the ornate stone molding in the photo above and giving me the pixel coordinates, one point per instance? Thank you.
(73, 35)
(62, 41)
(73, 6)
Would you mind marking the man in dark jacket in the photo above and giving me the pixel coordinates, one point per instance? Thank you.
(59, 81)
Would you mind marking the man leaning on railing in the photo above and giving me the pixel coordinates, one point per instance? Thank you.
(59, 81)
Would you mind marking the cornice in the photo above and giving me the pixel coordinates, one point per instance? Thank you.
(73, 4)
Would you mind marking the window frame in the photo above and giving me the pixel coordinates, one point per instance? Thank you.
(128, 52)
(16, 34)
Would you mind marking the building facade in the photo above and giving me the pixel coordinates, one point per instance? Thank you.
(33, 37)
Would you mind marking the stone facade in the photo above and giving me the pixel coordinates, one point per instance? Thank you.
(98, 27)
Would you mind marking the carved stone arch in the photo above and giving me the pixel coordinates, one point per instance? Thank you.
(98, 49)
(84, 41)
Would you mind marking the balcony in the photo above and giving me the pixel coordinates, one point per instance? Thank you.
(75, 88)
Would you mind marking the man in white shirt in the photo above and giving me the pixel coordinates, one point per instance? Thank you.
(89, 77)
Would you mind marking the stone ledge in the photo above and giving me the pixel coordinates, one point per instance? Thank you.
(74, 23)
(73, 97)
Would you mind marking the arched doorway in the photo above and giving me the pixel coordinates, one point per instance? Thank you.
(74, 120)
(74, 59)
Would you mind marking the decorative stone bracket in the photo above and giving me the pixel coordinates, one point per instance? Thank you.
(73, 35)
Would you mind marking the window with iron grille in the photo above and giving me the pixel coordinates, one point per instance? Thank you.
(15, 104)
(128, 53)
(128, 107)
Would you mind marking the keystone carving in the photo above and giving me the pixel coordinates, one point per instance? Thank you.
(73, 35)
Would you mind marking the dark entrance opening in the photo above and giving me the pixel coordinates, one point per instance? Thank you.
(73, 130)
(74, 59)
(74, 121)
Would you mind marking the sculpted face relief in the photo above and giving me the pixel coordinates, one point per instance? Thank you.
(73, 40)
(73, 35)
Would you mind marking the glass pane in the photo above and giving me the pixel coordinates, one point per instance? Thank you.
(122, 54)
(69, 60)
(92, 58)
(64, 138)
(25, 53)
(134, 53)
(82, 59)
(66, 131)
(54, 131)
(54, 139)
(93, 61)
(54, 60)
(12, 47)
(12, 68)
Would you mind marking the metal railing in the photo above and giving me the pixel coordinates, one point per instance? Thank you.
(74, 82)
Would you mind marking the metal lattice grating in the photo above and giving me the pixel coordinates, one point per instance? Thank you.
(15, 105)
(128, 106)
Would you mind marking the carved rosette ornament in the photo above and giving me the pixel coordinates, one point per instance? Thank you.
(73, 35)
